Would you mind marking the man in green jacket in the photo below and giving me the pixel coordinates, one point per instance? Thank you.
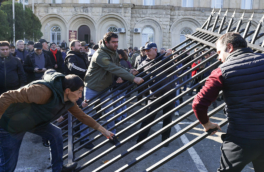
(32, 108)
(99, 76)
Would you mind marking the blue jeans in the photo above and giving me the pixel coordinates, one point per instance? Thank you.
(10, 145)
(119, 103)
(186, 77)
(89, 94)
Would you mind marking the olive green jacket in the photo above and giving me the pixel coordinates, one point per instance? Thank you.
(103, 66)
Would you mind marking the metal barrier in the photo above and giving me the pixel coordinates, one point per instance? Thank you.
(204, 38)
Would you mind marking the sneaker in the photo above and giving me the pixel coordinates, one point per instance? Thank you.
(177, 113)
(69, 167)
(89, 146)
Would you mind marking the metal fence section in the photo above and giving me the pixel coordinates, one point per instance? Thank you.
(203, 40)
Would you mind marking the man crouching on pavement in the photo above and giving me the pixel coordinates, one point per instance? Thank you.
(32, 108)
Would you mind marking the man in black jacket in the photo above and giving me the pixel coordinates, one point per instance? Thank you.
(75, 62)
(56, 58)
(151, 52)
(12, 75)
(37, 63)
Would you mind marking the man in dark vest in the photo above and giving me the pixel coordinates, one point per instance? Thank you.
(241, 77)
(33, 108)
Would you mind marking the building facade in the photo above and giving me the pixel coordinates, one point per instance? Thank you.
(136, 21)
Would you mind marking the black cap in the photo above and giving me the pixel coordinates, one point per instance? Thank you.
(150, 45)
(95, 47)
(43, 40)
(30, 43)
(38, 46)
(11, 45)
(52, 43)
(142, 48)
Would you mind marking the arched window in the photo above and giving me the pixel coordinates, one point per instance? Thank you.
(217, 3)
(246, 4)
(185, 31)
(84, 1)
(112, 29)
(149, 2)
(147, 35)
(187, 3)
(55, 33)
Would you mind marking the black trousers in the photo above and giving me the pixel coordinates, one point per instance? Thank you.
(166, 120)
(238, 152)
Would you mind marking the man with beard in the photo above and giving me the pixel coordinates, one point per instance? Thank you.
(104, 65)
(75, 62)
(56, 59)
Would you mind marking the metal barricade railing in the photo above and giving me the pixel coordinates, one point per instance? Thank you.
(204, 38)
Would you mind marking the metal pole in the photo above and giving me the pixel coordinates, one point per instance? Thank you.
(70, 139)
(24, 15)
(14, 31)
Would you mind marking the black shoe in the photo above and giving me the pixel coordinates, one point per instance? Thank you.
(89, 146)
(45, 142)
(69, 167)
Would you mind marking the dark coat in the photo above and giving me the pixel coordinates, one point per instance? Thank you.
(76, 63)
(12, 75)
(59, 62)
(21, 54)
(167, 80)
(29, 65)
(243, 89)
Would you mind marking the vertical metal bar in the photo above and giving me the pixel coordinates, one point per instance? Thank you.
(257, 30)
(70, 139)
(240, 22)
(209, 20)
(222, 23)
(248, 26)
(216, 20)
(231, 22)
(14, 30)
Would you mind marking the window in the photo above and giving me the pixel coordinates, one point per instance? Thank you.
(149, 2)
(112, 29)
(26, 2)
(246, 4)
(147, 35)
(56, 1)
(84, 1)
(55, 33)
(217, 3)
(187, 3)
(113, 1)
(184, 32)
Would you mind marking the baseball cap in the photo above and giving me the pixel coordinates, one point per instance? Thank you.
(30, 43)
(43, 40)
(150, 45)
(38, 46)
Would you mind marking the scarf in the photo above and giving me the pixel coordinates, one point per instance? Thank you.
(54, 52)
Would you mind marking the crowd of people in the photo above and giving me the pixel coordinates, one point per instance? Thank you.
(43, 81)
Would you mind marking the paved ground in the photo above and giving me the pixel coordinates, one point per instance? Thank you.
(203, 157)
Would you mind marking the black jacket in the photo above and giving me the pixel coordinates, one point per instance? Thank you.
(167, 80)
(59, 62)
(29, 65)
(243, 88)
(76, 63)
(12, 75)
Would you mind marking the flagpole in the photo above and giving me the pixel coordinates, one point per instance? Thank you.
(14, 32)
